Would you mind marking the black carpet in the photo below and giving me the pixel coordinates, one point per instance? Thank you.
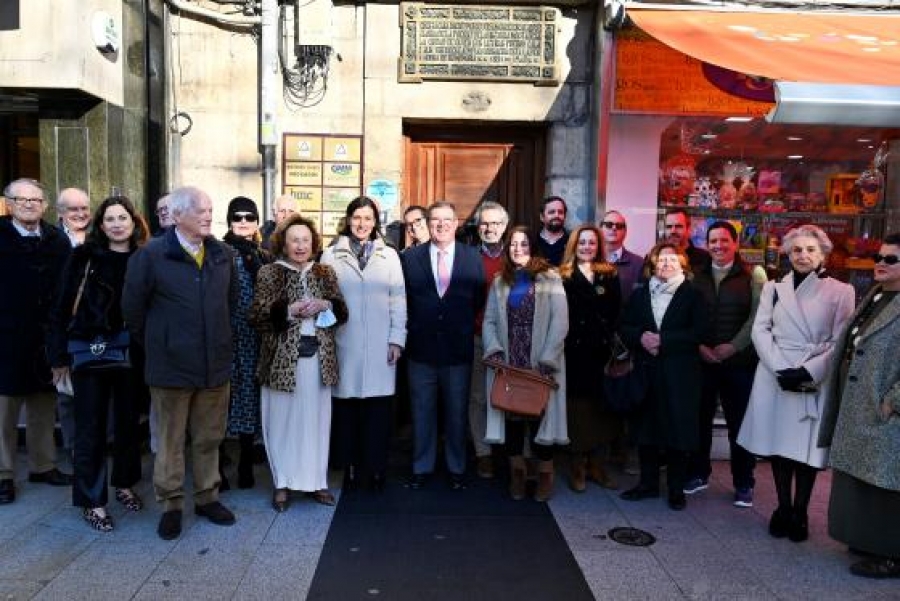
(436, 543)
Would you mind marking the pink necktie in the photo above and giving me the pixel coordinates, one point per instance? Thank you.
(443, 272)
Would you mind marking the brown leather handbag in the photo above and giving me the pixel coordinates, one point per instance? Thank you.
(518, 390)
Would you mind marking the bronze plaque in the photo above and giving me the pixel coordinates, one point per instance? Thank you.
(494, 43)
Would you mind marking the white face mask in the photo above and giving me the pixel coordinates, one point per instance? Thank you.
(325, 319)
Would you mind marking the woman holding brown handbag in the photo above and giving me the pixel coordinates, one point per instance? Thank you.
(525, 325)
(88, 306)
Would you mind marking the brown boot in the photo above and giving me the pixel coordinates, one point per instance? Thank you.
(596, 472)
(545, 481)
(517, 477)
(578, 473)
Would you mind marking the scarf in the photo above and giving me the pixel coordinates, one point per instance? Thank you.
(362, 250)
(251, 254)
(661, 293)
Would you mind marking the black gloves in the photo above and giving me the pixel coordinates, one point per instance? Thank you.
(795, 379)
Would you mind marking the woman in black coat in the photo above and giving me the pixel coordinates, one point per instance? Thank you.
(665, 321)
(89, 305)
(593, 295)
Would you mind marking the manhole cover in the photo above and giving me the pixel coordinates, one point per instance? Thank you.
(632, 537)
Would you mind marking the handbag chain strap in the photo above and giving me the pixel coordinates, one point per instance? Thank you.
(87, 270)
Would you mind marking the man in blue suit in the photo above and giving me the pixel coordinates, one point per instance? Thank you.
(444, 292)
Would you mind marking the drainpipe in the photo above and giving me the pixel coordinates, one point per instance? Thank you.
(268, 93)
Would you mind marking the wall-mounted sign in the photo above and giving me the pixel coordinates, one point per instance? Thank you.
(324, 173)
(494, 43)
(105, 32)
(385, 192)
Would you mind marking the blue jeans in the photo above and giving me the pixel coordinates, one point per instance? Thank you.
(450, 383)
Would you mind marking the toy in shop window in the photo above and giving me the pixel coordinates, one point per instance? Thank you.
(869, 184)
(677, 175)
(732, 177)
(841, 191)
(704, 195)
(747, 198)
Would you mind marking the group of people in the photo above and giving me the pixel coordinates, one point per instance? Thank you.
(269, 333)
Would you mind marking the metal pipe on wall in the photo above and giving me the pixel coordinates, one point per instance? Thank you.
(268, 86)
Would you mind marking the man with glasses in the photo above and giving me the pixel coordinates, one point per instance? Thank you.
(491, 219)
(444, 293)
(614, 228)
(32, 255)
(74, 209)
(416, 224)
(163, 215)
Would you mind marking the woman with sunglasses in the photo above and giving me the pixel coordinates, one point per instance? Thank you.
(861, 424)
(795, 333)
(243, 418)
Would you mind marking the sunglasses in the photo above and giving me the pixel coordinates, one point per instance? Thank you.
(612, 225)
(888, 259)
(243, 216)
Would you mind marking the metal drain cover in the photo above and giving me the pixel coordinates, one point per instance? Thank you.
(632, 537)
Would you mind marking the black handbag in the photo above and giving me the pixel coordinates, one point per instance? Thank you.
(103, 352)
(625, 380)
(309, 345)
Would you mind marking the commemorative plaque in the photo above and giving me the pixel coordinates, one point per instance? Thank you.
(472, 42)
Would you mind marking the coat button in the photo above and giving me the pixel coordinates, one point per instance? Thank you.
(860, 352)
(851, 378)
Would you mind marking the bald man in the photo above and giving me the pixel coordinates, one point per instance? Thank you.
(284, 206)
(74, 210)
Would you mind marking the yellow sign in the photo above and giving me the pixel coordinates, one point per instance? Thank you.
(310, 198)
(341, 174)
(303, 174)
(337, 199)
(342, 149)
(302, 148)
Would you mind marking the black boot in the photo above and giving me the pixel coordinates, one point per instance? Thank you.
(780, 524)
(223, 479)
(245, 464)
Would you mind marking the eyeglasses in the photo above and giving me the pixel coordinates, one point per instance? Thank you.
(24, 200)
(612, 225)
(888, 259)
(497, 224)
(162, 211)
(244, 216)
(410, 225)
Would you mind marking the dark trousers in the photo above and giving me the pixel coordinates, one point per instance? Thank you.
(676, 467)
(363, 431)
(450, 384)
(731, 385)
(515, 439)
(94, 391)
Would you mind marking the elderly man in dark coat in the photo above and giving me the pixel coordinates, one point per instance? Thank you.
(176, 301)
(32, 254)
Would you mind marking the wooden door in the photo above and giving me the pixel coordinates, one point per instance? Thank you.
(467, 166)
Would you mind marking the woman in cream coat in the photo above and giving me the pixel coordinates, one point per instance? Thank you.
(368, 345)
(528, 285)
(799, 321)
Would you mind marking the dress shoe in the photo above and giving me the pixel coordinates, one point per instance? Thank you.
(281, 500)
(780, 522)
(323, 497)
(639, 493)
(484, 467)
(216, 513)
(457, 482)
(677, 501)
(7, 492)
(169, 525)
(416, 482)
(52, 477)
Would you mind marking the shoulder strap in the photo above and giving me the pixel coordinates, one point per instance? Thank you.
(87, 269)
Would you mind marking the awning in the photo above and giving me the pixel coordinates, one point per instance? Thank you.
(843, 48)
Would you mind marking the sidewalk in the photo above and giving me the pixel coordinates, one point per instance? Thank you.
(710, 551)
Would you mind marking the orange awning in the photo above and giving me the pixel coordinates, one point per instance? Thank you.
(845, 48)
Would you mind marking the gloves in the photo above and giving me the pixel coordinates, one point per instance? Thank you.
(545, 371)
(795, 379)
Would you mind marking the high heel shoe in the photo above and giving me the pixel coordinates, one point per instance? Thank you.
(97, 518)
(780, 524)
(129, 499)
(281, 500)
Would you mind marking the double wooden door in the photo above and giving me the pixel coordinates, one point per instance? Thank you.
(467, 165)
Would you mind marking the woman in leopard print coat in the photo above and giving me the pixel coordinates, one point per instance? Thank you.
(297, 305)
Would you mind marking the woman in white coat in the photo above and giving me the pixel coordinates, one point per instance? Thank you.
(525, 325)
(799, 321)
(368, 345)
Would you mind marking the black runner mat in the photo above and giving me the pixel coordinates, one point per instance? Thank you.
(436, 543)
